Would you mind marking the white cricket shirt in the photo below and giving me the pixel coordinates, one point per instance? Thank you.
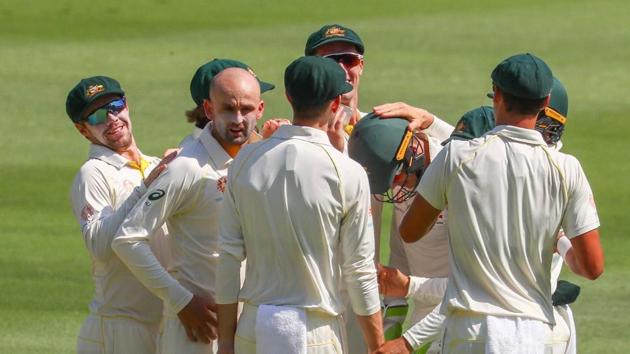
(188, 197)
(508, 195)
(295, 206)
(104, 190)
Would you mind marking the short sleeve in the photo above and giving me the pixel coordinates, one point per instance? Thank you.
(580, 215)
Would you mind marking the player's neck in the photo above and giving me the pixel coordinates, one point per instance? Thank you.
(521, 121)
(131, 153)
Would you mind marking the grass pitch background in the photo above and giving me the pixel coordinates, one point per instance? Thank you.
(435, 54)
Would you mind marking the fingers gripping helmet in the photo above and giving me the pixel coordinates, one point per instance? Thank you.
(551, 120)
(386, 148)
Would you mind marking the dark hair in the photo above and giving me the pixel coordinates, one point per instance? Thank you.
(309, 111)
(523, 106)
(197, 116)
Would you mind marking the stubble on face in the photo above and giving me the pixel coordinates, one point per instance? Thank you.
(236, 106)
(115, 133)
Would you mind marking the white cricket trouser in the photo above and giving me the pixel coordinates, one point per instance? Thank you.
(467, 332)
(173, 339)
(114, 335)
(562, 337)
(324, 333)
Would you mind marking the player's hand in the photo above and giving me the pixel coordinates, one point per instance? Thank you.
(161, 166)
(272, 125)
(418, 118)
(199, 318)
(335, 131)
(392, 282)
(396, 346)
(170, 151)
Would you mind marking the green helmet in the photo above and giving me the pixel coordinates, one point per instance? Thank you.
(551, 120)
(384, 147)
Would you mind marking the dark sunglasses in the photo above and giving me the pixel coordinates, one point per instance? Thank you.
(99, 116)
(346, 59)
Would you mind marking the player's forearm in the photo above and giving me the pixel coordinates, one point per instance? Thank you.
(227, 326)
(98, 234)
(418, 220)
(427, 330)
(372, 328)
(139, 258)
(588, 254)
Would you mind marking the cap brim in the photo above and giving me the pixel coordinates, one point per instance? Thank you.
(265, 86)
(336, 39)
(345, 88)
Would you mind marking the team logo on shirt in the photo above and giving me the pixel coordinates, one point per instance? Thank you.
(221, 183)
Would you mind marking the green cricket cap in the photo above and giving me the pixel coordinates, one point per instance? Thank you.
(559, 100)
(312, 80)
(524, 76)
(473, 124)
(330, 34)
(200, 83)
(376, 144)
(87, 91)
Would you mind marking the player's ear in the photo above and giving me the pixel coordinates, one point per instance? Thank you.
(83, 130)
(207, 108)
(261, 110)
(334, 106)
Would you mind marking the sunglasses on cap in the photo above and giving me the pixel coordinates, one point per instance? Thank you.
(346, 59)
(99, 116)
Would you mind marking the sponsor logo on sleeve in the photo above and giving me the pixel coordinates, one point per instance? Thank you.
(155, 195)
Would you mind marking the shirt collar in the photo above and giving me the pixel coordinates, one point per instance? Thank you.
(216, 152)
(524, 135)
(289, 131)
(113, 158)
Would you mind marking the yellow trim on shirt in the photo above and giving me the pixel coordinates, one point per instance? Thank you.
(140, 167)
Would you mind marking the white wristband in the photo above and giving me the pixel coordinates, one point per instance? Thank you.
(563, 246)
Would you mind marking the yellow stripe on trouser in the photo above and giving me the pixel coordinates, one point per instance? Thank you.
(324, 333)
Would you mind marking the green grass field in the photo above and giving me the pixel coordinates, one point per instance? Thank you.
(436, 54)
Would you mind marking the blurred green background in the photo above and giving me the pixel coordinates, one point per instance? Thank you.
(435, 54)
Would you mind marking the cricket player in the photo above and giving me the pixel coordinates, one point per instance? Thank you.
(344, 45)
(200, 89)
(298, 210)
(502, 225)
(395, 159)
(124, 315)
(189, 198)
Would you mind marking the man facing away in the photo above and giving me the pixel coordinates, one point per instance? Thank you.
(298, 210)
(189, 199)
(508, 195)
